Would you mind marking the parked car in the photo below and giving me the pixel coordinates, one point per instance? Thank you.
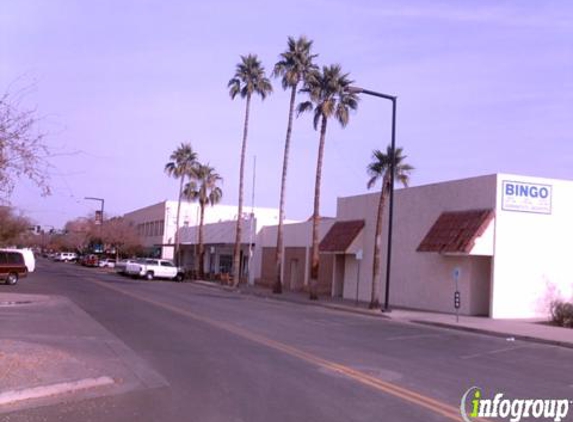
(66, 256)
(12, 267)
(155, 268)
(29, 258)
(122, 264)
(89, 260)
(107, 263)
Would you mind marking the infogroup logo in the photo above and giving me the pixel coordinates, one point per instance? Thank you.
(474, 405)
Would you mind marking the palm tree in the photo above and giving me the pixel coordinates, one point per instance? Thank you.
(379, 168)
(203, 188)
(295, 64)
(329, 97)
(183, 159)
(249, 79)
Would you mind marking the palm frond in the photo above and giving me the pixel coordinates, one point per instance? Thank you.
(304, 107)
(295, 63)
(381, 163)
(249, 79)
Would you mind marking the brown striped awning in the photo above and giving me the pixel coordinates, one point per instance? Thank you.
(456, 231)
(340, 236)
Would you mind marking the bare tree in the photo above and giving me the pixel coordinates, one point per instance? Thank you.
(120, 235)
(77, 234)
(12, 226)
(23, 152)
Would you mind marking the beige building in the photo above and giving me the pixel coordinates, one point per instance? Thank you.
(296, 257)
(500, 240)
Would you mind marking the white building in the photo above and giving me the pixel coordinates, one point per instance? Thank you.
(504, 237)
(157, 224)
(219, 241)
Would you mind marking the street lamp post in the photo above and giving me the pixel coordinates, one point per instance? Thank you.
(393, 99)
(102, 202)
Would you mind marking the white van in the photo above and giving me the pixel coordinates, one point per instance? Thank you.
(29, 258)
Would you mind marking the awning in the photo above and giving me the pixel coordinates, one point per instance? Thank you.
(456, 231)
(341, 236)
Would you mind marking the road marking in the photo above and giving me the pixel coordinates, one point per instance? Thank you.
(413, 337)
(492, 352)
(436, 406)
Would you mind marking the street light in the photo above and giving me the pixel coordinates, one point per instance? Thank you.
(102, 201)
(357, 90)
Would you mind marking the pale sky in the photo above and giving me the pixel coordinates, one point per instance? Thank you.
(483, 87)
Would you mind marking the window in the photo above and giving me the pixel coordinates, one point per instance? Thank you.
(15, 258)
(225, 263)
(166, 264)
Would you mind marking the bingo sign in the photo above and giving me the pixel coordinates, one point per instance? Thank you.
(526, 197)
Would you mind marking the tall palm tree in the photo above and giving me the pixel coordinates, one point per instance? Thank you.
(295, 64)
(203, 188)
(379, 168)
(329, 97)
(249, 79)
(183, 159)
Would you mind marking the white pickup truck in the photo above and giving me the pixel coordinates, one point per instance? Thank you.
(154, 268)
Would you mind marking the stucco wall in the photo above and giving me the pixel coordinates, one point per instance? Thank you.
(533, 253)
(418, 280)
(295, 235)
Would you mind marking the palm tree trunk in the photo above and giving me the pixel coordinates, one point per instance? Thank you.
(375, 294)
(176, 251)
(238, 232)
(278, 287)
(201, 260)
(316, 215)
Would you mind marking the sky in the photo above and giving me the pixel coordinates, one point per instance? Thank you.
(483, 87)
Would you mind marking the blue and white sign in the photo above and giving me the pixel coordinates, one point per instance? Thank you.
(526, 197)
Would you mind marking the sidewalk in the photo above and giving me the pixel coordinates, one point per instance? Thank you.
(51, 350)
(533, 330)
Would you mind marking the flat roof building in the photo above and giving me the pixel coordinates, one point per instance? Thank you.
(501, 240)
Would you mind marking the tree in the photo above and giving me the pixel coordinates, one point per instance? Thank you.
(380, 168)
(183, 159)
(249, 79)
(203, 188)
(294, 66)
(120, 234)
(329, 97)
(23, 152)
(12, 226)
(78, 234)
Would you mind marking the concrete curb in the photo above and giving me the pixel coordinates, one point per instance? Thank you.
(281, 298)
(14, 396)
(492, 333)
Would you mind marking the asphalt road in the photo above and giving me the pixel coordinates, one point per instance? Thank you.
(232, 357)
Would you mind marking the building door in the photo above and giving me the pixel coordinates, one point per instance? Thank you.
(480, 285)
(293, 273)
(338, 276)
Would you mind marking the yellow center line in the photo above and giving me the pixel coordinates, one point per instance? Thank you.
(436, 406)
